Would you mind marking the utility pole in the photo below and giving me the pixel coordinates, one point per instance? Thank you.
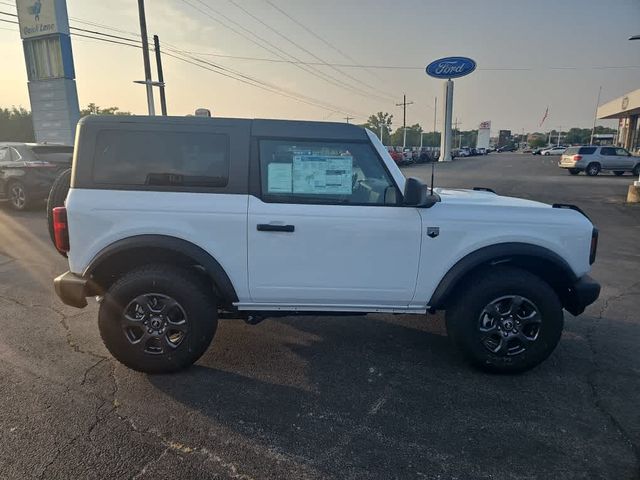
(559, 134)
(163, 98)
(145, 57)
(595, 116)
(404, 118)
(347, 118)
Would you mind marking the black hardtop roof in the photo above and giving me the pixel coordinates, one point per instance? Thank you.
(302, 129)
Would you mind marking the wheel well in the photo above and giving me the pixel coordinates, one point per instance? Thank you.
(552, 270)
(130, 254)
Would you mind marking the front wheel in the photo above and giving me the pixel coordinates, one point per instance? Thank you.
(158, 318)
(505, 320)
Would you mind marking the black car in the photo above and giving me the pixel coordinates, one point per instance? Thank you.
(27, 171)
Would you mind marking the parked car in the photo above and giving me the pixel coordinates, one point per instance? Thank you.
(507, 148)
(481, 151)
(559, 150)
(396, 156)
(27, 171)
(592, 160)
(538, 151)
(307, 218)
(463, 152)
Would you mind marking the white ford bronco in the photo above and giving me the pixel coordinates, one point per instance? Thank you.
(173, 223)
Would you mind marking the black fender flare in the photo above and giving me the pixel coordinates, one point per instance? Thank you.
(166, 244)
(562, 276)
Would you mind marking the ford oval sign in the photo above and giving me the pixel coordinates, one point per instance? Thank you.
(451, 67)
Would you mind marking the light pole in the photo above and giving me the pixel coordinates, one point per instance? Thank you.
(595, 116)
(636, 37)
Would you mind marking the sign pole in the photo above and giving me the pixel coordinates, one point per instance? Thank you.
(447, 113)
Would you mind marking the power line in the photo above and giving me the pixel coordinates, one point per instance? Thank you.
(322, 39)
(226, 72)
(271, 47)
(307, 51)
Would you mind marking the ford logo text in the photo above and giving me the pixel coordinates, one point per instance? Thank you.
(451, 67)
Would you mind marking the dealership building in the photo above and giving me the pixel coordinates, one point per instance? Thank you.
(626, 110)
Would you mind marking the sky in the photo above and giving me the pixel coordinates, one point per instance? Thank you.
(530, 54)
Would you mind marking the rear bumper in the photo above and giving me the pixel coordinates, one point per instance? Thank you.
(581, 294)
(72, 289)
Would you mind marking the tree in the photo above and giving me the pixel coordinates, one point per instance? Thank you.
(93, 109)
(538, 142)
(380, 120)
(16, 125)
(413, 136)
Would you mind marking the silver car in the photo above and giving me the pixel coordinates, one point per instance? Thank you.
(592, 160)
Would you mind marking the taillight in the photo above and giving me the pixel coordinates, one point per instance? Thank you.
(577, 158)
(61, 229)
(594, 246)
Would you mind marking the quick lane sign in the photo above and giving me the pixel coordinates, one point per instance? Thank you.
(451, 67)
(38, 17)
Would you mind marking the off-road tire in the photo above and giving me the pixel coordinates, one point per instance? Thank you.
(463, 318)
(57, 197)
(188, 289)
(592, 169)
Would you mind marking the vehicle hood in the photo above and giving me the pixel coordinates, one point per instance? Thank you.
(483, 198)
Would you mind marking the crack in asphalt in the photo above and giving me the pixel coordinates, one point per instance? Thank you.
(591, 376)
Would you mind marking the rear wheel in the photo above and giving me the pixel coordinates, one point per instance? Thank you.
(636, 169)
(574, 171)
(593, 169)
(19, 198)
(158, 319)
(505, 320)
(57, 197)
(618, 173)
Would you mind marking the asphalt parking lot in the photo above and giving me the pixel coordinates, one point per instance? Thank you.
(375, 397)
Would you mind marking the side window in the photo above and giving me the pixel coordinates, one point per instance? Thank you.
(587, 150)
(324, 173)
(161, 158)
(4, 155)
(607, 151)
(622, 152)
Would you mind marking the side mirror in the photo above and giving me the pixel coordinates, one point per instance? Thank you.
(416, 194)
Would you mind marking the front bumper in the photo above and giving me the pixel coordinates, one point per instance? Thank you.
(581, 294)
(72, 289)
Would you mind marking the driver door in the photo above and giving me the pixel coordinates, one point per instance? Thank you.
(328, 229)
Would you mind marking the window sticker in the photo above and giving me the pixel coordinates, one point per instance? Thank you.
(322, 174)
(279, 178)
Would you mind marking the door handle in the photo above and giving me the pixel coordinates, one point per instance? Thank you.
(268, 227)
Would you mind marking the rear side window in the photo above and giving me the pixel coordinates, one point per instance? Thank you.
(51, 153)
(608, 151)
(572, 151)
(161, 158)
(587, 150)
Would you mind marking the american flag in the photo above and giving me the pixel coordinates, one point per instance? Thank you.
(544, 117)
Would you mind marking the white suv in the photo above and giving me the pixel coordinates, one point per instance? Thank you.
(174, 222)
